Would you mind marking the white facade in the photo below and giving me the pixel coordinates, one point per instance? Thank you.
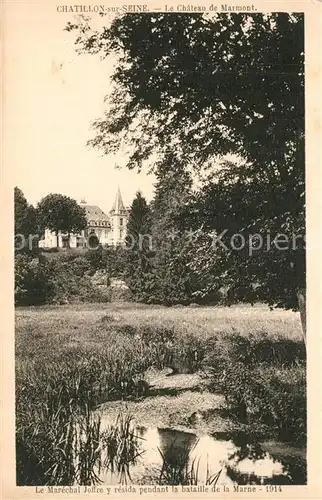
(101, 228)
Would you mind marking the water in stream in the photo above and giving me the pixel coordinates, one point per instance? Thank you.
(167, 455)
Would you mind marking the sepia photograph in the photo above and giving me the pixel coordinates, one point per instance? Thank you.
(160, 249)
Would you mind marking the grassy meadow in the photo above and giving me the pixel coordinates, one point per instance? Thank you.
(70, 359)
(54, 328)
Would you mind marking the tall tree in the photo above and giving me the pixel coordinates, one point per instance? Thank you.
(138, 244)
(261, 232)
(173, 280)
(207, 85)
(25, 223)
(61, 213)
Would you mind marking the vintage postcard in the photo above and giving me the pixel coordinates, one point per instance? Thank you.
(161, 290)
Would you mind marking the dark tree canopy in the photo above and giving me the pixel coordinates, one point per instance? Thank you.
(205, 85)
(25, 223)
(61, 213)
(138, 249)
(200, 86)
(139, 224)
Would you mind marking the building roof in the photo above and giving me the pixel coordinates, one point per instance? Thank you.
(94, 213)
(118, 205)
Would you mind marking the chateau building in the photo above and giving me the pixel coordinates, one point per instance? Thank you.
(105, 229)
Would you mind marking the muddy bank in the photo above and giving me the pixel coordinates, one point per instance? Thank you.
(179, 420)
(177, 401)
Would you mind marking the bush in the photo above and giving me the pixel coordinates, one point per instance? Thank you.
(107, 258)
(183, 353)
(23, 270)
(55, 281)
(32, 283)
(262, 380)
(119, 294)
(50, 250)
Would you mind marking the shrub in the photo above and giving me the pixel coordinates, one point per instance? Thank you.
(96, 258)
(262, 381)
(33, 285)
(107, 258)
(23, 271)
(50, 250)
(119, 294)
(187, 353)
(181, 352)
(123, 446)
(55, 281)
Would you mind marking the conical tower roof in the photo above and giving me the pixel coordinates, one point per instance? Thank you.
(118, 205)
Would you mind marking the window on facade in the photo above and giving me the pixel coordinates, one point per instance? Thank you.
(121, 221)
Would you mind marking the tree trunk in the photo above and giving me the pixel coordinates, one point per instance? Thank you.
(301, 297)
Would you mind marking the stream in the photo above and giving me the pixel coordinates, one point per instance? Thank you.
(234, 461)
(179, 444)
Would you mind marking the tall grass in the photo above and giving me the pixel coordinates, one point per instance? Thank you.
(122, 447)
(57, 442)
(63, 372)
(55, 395)
(263, 381)
(75, 451)
(179, 467)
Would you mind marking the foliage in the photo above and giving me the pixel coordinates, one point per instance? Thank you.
(123, 447)
(116, 258)
(56, 449)
(200, 86)
(61, 213)
(138, 265)
(33, 283)
(56, 281)
(181, 270)
(220, 78)
(159, 257)
(97, 258)
(58, 440)
(263, 381)
(25, 218)
(23, 271)
(184, 353)
(120, 294)
(179, 466)
(68, 361)
(273, 229)
(109, 258)
(172, 281)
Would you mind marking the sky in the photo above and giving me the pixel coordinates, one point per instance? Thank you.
(53, 96)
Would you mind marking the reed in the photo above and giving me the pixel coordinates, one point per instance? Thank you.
(180, 467)
(123, 447)
(57, 440)
(68, 361)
